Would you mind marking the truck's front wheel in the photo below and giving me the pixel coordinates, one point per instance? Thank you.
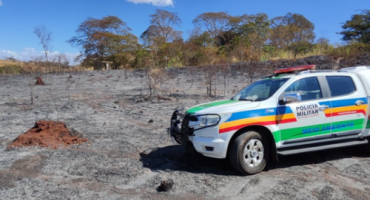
(249, 153)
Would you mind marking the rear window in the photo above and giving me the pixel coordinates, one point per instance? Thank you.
(340, 85)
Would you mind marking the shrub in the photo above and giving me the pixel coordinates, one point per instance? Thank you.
(11, 69)
(350, 51)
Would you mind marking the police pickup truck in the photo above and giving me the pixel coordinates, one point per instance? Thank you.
(296, 110)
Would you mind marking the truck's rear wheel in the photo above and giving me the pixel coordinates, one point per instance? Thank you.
(249, 153)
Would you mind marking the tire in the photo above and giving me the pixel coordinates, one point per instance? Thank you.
(366, 147)
(249, 153)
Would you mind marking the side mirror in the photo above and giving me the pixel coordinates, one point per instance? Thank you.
(290, 98)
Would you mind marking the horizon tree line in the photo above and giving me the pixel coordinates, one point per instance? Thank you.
(217, 37)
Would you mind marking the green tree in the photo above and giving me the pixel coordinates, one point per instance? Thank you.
(142, 57)
(245, 40)
(213, 22)
(358, 28)
(162, 28)
(292, 32)
(200, 38)
(322, 44)
(102, 38)
(256, 30)
(157, 36)
(121, 49)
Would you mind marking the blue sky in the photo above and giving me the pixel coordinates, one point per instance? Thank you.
(18, 18)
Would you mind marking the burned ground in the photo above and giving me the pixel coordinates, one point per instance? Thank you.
(128, 154)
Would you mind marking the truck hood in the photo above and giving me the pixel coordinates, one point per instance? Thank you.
(223, 106)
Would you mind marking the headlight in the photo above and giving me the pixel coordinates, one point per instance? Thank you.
(208, 120)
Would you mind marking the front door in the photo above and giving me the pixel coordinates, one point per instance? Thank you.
(310, 122)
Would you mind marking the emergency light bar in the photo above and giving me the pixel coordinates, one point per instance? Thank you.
(294, 69)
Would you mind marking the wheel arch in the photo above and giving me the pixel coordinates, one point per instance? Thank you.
(265, 132)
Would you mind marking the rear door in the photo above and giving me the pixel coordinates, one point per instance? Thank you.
(304, 120)
(348, 105)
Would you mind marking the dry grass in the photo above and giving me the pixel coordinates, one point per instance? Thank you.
(8, 62)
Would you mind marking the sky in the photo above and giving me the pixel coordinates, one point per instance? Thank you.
(18, 18)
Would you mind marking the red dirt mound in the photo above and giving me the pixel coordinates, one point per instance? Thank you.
(49, 134)
(39, 81)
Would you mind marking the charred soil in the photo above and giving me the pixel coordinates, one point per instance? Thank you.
(129, 154)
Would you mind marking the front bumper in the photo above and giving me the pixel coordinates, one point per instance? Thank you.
(179, 128)
(209, 147)
(185, 135)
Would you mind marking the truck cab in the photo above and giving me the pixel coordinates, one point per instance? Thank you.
(295, 110)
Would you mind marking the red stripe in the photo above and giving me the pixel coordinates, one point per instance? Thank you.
(288, 120)
(351, 112)
(257, 123)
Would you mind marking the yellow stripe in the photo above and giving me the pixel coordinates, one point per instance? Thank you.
(286, 116)
(256, 120)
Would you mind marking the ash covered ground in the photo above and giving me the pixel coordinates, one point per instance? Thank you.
(129, 154)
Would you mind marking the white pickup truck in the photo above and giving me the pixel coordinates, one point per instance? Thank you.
(296, 110)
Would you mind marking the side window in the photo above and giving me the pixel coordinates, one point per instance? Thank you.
(340, 85)
(308, 88)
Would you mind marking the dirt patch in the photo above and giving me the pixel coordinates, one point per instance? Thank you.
(50, 134)
(23, 168)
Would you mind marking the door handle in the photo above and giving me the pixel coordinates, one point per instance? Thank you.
(323, 107)
(359, 102)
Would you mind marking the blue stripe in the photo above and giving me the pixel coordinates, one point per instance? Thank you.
(259, 113)
(284, 110)
(342, 103)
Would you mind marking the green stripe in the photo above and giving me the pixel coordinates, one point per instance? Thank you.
(208, 105)
(320, 129)
(368, 123)
(276, 135)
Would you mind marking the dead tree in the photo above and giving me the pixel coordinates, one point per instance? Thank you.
(45, 38)
(209, 72)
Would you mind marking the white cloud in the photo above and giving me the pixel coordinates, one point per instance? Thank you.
(154, 2)
(7, 53)
(30, 54)
(1, 3)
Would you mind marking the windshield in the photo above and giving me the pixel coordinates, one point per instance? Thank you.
(260, 90)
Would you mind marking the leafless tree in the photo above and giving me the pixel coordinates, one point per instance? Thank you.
(45, 38)
(60, 60)
(225, 70)
(210, 73)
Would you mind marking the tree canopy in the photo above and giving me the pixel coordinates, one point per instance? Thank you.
(162, 28)
(293, 32)
(213, 22)
(215, 37)
(99, 38)
(357, 28)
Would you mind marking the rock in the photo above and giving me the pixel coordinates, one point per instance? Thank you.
(165, 186)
